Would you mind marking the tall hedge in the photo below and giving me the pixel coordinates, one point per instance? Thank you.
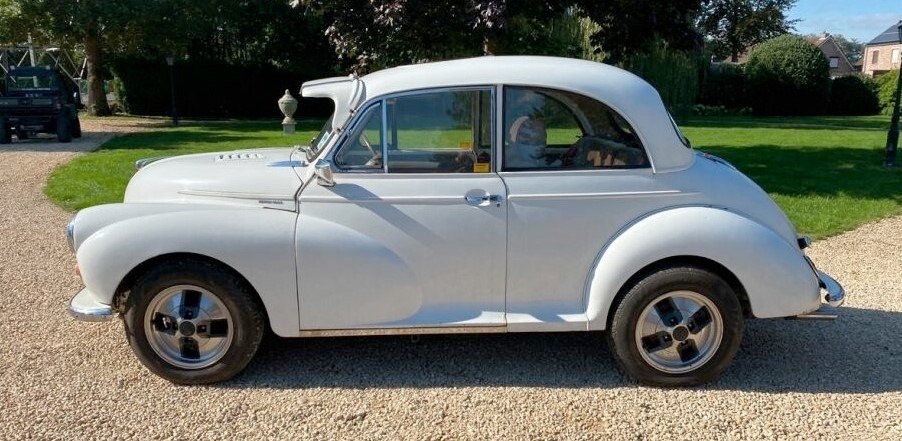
(724, 85)
(210, 89)
(886, 89)
(787, 75)
(854, 95)
(673, 73)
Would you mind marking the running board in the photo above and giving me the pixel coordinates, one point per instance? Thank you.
(823, 313)
(403, 331)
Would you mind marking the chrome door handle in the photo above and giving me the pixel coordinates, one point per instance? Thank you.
(483, 200)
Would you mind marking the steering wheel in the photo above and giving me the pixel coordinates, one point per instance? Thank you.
(376, 160)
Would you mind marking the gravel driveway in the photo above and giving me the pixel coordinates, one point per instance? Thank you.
(67, 380)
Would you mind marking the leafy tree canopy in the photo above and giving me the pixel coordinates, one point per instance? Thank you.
(731, 26)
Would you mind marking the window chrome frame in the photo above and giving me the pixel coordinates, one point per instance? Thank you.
(382, 100)
(545, 170)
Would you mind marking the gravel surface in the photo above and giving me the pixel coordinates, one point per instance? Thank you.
(791, 379)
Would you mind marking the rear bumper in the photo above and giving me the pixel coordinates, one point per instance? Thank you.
(834, 296)
(85, 307)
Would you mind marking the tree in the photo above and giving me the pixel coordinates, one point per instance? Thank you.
(787, 75)
(731, 26)
(379, 33)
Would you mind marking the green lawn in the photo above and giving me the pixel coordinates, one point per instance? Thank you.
(824, 172)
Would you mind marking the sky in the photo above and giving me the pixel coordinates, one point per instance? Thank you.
(859, 19)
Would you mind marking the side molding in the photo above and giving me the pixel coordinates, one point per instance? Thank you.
(776, 277)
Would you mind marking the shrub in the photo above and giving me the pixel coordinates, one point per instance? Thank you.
(209, 89)
(787, 75)
(854, 95)
(886, 87)
(673, 73)
(724, 85)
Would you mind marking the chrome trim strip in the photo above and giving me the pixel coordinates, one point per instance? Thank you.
(237, 195)
(404, 331)
(440, 200)
(613, 194)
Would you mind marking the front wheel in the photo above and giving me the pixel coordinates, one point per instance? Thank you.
(192, 322)
(679, 326)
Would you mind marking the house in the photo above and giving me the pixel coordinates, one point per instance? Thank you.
(839, 63)
(884, 52)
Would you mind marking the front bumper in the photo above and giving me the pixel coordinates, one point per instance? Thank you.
(85, 307)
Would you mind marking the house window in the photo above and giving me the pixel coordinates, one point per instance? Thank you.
(834, 62)
(874, 56)
(895, 58)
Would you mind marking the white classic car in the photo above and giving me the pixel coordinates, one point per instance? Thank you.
(494, 194)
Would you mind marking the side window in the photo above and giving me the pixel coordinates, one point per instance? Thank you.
(440, 132)
(363, 148)
(548, 129)
(874, 56)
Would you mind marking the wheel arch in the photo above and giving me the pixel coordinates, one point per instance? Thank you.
(685, 260)
(128, 281)
(770, 275)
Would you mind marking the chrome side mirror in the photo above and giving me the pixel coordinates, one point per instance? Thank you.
(323, 171)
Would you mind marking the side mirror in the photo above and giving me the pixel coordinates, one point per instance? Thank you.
(323, 171)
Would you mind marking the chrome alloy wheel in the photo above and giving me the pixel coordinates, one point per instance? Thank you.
(188, 326)
(679, 331)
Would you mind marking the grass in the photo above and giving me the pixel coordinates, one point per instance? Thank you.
(824, 172)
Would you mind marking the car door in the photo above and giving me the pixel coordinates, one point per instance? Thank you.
(413, 232)
(576, 173)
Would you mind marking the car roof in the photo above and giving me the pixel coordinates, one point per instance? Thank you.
(631, 96)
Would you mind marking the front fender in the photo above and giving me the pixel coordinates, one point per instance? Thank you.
(257, 243)
(776, 277)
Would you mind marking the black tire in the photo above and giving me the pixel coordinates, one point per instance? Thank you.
(22, 135)
(624, 326)
(6, 135)
(63, 128)
(248, 323)
(76, 128)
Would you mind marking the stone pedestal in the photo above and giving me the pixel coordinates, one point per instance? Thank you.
(288, 105)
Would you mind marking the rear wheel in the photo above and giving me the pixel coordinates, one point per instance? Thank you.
(6, 135)
(64, 128)
(679, 326)
(76, 128)
(21, 134)
(192, 322)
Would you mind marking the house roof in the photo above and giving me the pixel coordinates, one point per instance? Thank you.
(890, 35)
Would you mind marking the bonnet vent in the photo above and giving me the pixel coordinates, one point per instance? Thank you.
(238, 156)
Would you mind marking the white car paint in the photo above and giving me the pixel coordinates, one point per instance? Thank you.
(407, 252)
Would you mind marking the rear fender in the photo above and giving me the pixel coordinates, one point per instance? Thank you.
(777, 279)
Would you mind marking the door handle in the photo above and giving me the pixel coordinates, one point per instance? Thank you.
(483, 200)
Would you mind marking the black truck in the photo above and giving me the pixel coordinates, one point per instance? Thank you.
(38, 100)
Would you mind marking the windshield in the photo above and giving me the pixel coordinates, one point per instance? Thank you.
(25, 82)
(321, 140)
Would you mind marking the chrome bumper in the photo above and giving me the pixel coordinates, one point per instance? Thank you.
(834, 295)
(85, 307)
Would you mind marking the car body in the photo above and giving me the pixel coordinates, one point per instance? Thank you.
(38, 100)
(494, 194)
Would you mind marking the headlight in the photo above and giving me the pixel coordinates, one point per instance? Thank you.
(70, 232)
